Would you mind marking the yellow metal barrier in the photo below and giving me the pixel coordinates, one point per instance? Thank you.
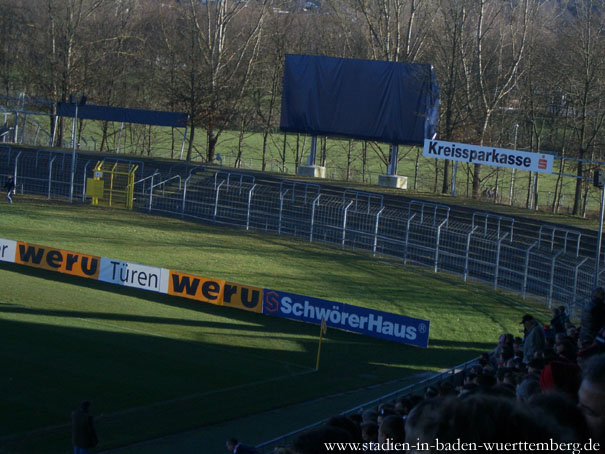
(113, 184)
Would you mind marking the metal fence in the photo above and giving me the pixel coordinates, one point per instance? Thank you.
(28, 121)
(487, 248)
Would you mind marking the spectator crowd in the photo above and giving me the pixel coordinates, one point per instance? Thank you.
(546, 387)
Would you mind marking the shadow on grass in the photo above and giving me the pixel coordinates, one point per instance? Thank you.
(148, 384)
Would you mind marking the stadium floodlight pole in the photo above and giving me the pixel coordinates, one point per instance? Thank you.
(599, 184)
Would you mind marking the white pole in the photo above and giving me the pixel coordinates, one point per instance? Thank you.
(599, 238)
(73, 155)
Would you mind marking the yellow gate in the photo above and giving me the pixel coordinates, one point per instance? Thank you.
(117, 184)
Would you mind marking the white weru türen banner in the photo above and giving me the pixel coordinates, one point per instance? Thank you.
(8, 249)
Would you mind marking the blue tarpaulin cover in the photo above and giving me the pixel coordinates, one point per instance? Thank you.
(120, 114)
(388, 102)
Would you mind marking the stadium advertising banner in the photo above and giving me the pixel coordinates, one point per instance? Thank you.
(243, 297)
(384, 325)
(498, 157)
(52, 259)
(8, 248)
(134, 275)
(196, 287)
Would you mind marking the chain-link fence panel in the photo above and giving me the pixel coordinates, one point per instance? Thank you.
(552, 264)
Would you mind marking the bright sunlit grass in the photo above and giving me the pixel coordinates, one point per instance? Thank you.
(155, 364)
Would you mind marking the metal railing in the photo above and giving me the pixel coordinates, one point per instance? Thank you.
(487, 248)
(454, 375)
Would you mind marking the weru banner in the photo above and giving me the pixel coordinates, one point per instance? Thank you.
(498, 157)
(369, 322)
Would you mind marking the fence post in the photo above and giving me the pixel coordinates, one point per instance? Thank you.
(249, 206)
(436, 264)
(150, 194)
(50, 174)
(376, 231)
(315, 202)
(344, 223)
(468, 251)
(552, 278)
(17, 170)
(497, 264)
(218, 190)
(526, 273)
(407, 239)
(575, 280)
(184, 197)
(84, 181)
(281, 208)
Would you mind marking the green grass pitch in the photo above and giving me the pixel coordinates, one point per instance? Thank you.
(154, 364)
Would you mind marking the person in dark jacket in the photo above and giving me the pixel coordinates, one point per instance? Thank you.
(534, 340)
(83, 434)
(10, 188)
(557, 324)
(593, 317)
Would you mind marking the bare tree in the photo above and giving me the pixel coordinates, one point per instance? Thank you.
(225, 37)
(582, 64)
(446, 51)
(396, 30)
(493, 68)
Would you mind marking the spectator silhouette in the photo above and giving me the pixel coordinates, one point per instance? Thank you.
(557, 323)
(565, 412)
(593, 317)
(313, 440)
(83, 434)
(10, 188)
(591, 397)
(391, 429)
(235, 447)
(483, 418)
(369, 432)
(421, 423)
(534, 340)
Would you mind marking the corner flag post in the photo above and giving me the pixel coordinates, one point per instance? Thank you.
(322, 331)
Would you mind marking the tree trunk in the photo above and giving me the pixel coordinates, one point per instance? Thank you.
(528, 200)
(364, 157)
(265, 136)
(445, 189)
(536, 191)
(416, 170)
(172, 143)
(348, 175)
(103, 136)
(577, 201)
(283, 155)
(240, 145)
(477, 182)
(297, 151)
(324, 146)
(511, 202)
(190, 144)
(212, 140)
